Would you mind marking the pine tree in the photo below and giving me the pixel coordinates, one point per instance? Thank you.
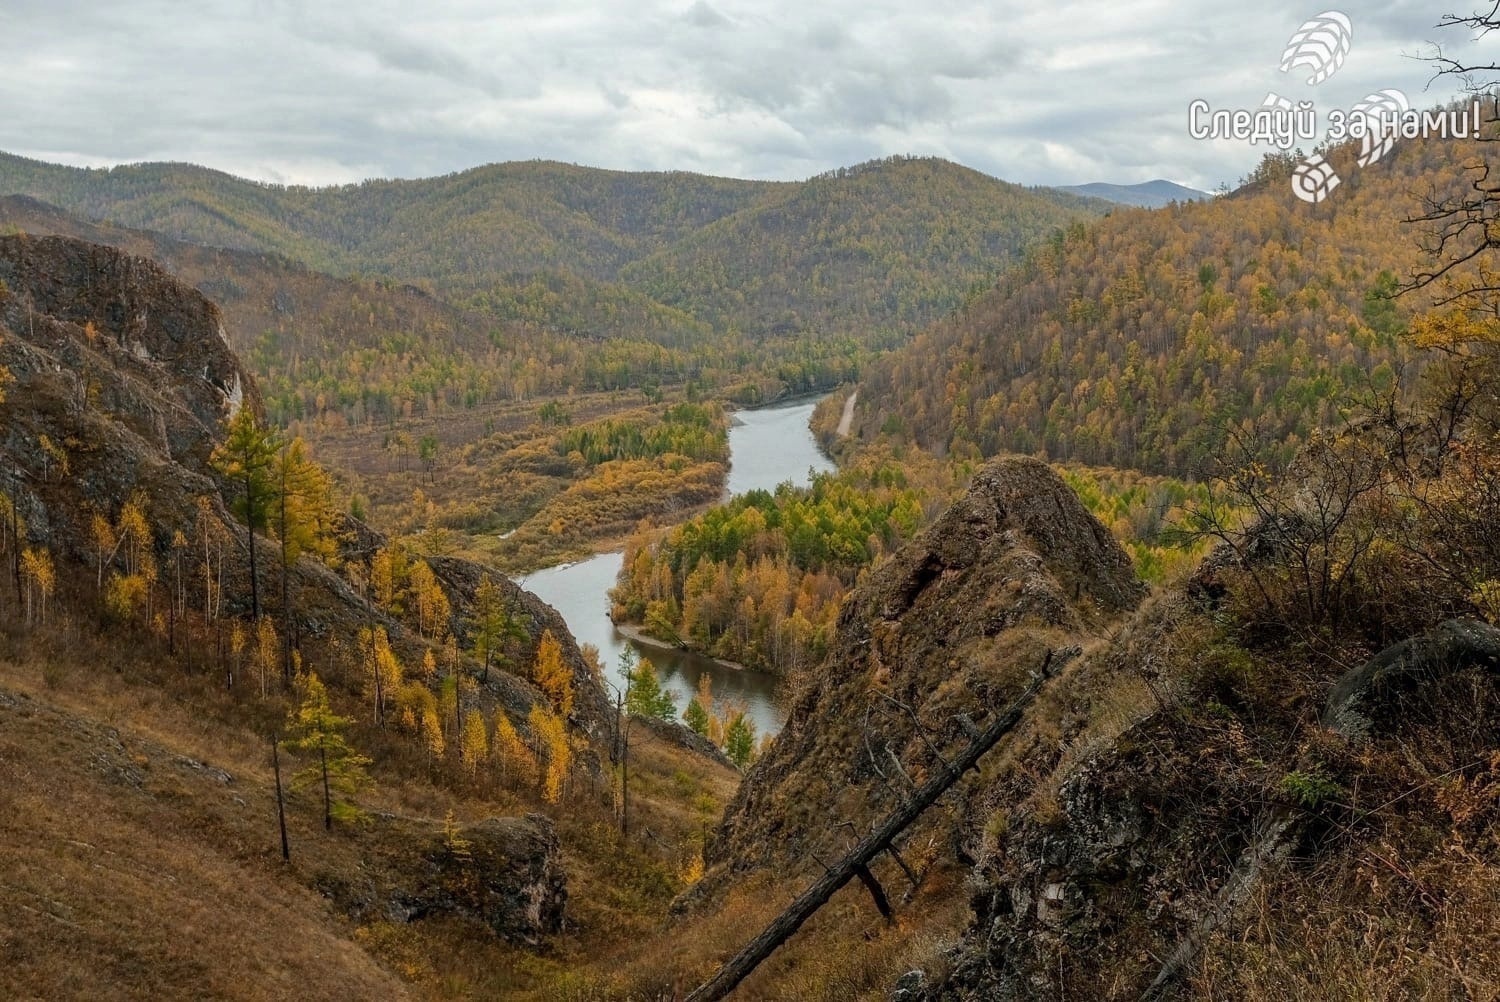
(492, 625)
(552, 742)
(388, 576)
(304, 515)
(316, 729)
(695, 716)
(700, 709)
(433, 608)
(246, 459)
(432, 732)
(739, 740)
(644, 696)
(382, 669)
(516, 762)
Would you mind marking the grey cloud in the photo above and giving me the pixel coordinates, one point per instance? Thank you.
(295, 91)
(702, 15)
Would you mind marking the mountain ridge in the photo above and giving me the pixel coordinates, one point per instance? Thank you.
(1151, 194)
(465, 232)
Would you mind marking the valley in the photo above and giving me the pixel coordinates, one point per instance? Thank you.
(552, 583)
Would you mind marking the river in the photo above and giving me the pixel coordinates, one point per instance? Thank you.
(766, 447)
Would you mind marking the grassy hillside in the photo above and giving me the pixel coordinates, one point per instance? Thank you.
(138, 807)
(139, 693)
(1144, 339)
(138, 864)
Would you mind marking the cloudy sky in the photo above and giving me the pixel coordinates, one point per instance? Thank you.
(335, 91)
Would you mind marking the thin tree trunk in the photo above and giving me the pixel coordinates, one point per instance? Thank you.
(286, 602)
(625, 780)
(327, 799)
(286, 849)
(250, 529)
(15, 547)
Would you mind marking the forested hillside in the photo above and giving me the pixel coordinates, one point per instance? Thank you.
(885, 246)
(664, 257)
(518, 217)
(1147, 339)
(333, 352)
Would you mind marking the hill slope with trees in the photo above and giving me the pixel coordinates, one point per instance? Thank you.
(1151, 338)
(891, 244)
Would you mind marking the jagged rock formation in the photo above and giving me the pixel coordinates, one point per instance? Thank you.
(120, 366)
(948, 627)
(1150, 825)
(128, 372)
(1379, 686)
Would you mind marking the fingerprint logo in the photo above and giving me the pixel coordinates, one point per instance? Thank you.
(1381, 110)
(1314, 180)
(1319, 46)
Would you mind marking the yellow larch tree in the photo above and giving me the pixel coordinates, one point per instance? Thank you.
(551, 737)
(516, 762)
(552, 676)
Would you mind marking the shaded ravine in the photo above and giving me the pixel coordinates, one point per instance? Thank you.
(767, 447)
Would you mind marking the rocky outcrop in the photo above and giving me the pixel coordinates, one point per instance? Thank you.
(676, 733)
(505, 872)
(123, 371)
(124, 375)
(140, 307)
(945, 632)
(1378, 687)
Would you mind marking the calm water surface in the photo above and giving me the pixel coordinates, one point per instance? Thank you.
(766, 447)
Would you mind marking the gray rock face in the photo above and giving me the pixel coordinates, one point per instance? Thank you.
(509, 876)
(946, 630)
(121, 366)
(138, 314)
(909, 987)
(504, 872)
(1371, 689)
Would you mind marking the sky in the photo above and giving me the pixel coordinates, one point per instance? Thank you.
(333, 92)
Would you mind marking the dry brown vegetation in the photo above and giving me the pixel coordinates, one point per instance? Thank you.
(502, 484)
(135, 869)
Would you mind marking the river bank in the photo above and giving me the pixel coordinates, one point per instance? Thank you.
(638, 636)
(767, 446)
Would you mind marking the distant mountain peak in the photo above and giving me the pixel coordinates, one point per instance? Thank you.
(1148, 194)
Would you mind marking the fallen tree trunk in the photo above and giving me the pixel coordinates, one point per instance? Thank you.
(739, 967)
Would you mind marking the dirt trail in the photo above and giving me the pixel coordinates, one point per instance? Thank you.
(848, 416)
